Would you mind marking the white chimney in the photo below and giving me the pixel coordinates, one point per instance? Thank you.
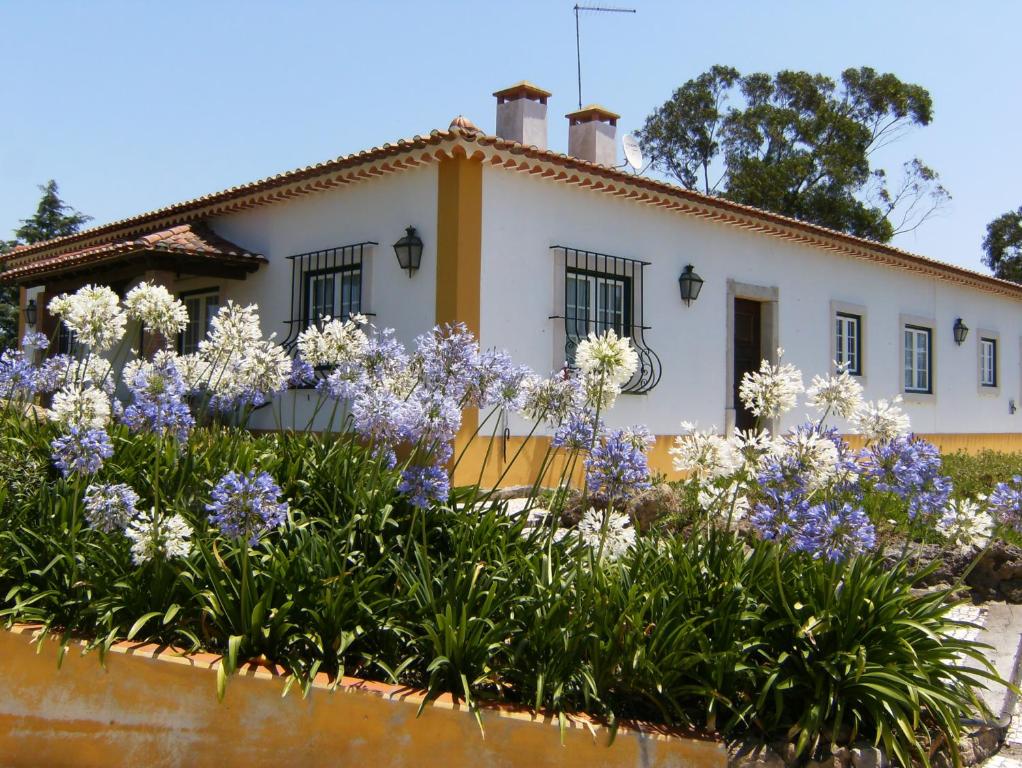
(592, 133)
(521, 114)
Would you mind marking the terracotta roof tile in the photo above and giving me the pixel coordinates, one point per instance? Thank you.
(193, 239)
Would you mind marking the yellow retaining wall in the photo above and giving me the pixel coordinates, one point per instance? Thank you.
(146, 708)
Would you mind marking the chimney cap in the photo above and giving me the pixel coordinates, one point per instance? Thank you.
(592, 113)
(523, 89)
(462, 123)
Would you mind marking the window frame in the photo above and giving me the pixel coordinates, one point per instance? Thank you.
(309, 275)
(993, 338)
(917, 331)
(838, 308)
(198, 293)
(845, 319)
(592, 323)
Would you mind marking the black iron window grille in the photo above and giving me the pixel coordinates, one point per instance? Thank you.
(601, 293)
(326, 284)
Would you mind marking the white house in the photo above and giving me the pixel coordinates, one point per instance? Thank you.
(532, 248)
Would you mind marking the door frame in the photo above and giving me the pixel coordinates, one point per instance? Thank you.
(769, 337)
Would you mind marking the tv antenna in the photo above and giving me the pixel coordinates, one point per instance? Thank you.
(578, 47)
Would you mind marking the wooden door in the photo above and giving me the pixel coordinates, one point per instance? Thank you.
(747, 353)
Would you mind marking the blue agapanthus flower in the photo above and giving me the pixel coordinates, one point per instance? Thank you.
(616, 468)
(577, 432)
(1005, 503)
(910, 468)
(35, 340)
(302, 374)
(834, 532)
(425, 485)
(18, 377)
(246, 506)
(781, 513)
(447, 360)
(110, 507)
(158, 405)
(81, 451)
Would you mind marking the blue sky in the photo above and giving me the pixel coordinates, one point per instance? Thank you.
(135, 105)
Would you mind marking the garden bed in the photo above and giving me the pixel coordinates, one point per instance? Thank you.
(150, 705)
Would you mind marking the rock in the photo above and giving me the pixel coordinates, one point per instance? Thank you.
(831, 761)
(751, 754)
(868, 757)
(982, 743)
(652, 504)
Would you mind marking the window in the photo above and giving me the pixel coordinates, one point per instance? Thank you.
(202, 307)
(918, 359)
(333, 293)
(848, 342)
(595, 303)
(987, 362)
(331, 283)
(602, 293)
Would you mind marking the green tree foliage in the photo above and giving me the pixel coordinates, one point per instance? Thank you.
(52, 218)
(799, 144)
(1003, 246)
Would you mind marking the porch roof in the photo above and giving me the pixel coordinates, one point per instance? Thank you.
(192, 248)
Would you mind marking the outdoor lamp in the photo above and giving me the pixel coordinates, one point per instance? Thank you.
(961, 331)
(690, 284)
(31, 312)
(409, 250)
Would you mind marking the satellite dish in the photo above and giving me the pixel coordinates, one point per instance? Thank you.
(633, 155)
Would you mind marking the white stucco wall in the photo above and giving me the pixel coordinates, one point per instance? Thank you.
(373, 210)
(523, 216)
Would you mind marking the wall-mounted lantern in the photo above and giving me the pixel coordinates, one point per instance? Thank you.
(31, 312)
(690, 284)
(409, 250)
(961, 330)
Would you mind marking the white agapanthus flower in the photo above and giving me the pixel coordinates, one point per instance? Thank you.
(816, 454)
(750, 447)
(85, 407)
(773, 390)
(550, 399)
(607, 357)
(195, 370)
(704, 454)
(66, 371)
(881, 421)
(840, 394)
(93, 313)
(157, 309)
(338, 342)
(232, 332)
(610, 533)
(140, 365)
(152, 537)
(965, 524)
(724, 502)
(265, 368)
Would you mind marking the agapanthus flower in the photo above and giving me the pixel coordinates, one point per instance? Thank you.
(750, 447)
(881, 421)
(447, 360)
(251, 378)
(773, 390)
(110, 507)
(66, 371)
(302, 374)
(338, 342)
(155, 537)
(834, 532)
(83, 407)
(608, 533)
(727, 502)
(233, 331)
(157, 405)
(607, 357)
(1005, 503)
(81, 450)
(246, 506)
(577, 432)
(550, 400)
(381, 418)
(597, 391)
(425, 486)
(840, 394)
(811, 454)
(616, 468)
(18, 377)
(910, 468)
(157, 309)
(33, 340)
(499, 382)
(780, 513)
(704, 454)
(965, 524)
(93, 314)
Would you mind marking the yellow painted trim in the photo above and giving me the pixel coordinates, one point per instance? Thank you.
(485, 461)
(151, 706)
(459, 250)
